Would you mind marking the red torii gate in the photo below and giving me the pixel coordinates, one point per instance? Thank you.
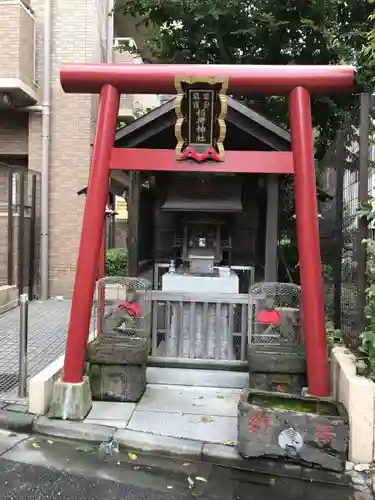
(110, 80)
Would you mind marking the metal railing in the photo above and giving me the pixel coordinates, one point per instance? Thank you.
(19, 228)
(201, 327)
(23, 342)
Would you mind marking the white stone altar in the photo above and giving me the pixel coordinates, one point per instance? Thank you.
(196, 337)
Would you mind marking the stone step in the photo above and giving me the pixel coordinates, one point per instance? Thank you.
(197, 378)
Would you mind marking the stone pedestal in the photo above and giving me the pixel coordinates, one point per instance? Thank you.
(125, 383)
(308, 431)
(280, 370)
(117, 368)
(70, 401)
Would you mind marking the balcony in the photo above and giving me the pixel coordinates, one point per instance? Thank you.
(17, 52)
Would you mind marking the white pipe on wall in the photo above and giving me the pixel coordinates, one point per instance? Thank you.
(46, 130)
(110, 29)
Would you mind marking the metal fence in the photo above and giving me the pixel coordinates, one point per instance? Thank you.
(348, 178)
(20, 229)
(202, 327)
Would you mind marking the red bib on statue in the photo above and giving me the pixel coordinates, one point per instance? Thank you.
(269, 317)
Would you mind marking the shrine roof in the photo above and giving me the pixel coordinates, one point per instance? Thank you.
(246, 130)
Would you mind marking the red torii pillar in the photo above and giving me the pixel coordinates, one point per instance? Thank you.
(110, 80)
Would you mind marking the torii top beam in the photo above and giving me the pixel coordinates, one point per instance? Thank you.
(87, 78)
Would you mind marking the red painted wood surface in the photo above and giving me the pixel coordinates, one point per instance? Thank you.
(254, 162)
(312, 300)
(87, 78)
(91, 237)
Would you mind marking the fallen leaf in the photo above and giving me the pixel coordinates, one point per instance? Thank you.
(35, 445)
(132, 456)
(201, 479)
(228, 442)
(85, 449)
(207, 419)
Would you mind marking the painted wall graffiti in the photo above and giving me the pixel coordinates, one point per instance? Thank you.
(259, 423)
(325, 433)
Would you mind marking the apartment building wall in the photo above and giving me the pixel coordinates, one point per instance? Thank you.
(13, 133)
(79, 33)
(76, 37)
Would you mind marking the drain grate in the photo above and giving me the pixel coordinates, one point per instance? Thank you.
(8, 381)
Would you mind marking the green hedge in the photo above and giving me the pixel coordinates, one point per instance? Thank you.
(116, 262)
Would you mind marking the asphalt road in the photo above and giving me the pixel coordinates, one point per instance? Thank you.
(43, 469)
(20, 481)
(28, 482)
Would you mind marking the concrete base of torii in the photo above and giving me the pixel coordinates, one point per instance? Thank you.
(71, 401)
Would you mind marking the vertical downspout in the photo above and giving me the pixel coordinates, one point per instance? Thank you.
(46, 128)
(110, 30)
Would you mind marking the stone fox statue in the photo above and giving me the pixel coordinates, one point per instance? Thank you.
(125, 316)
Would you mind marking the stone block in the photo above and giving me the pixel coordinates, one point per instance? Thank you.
(277, 382)
(117, 382)
(118, 350)
(70, 401)
(279, 371)
(278, 359)
(304, 430)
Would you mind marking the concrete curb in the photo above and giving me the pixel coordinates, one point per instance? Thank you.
(17, 420)
(357, 394)
(166, 445)
(135, 440)
(78, 431)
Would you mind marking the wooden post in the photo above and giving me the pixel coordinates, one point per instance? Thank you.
(271, 261)
(113, 231)
(91, 237)
(312, 300)
(133, 222)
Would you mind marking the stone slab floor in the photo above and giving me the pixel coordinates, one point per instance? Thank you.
(198, 413)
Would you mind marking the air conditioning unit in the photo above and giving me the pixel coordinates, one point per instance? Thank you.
(124, 42)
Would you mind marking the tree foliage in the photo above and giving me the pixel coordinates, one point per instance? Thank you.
(268, 32)
(261, 32)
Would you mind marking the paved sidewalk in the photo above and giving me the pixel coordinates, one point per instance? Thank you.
(203, 414)
(48, 324)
